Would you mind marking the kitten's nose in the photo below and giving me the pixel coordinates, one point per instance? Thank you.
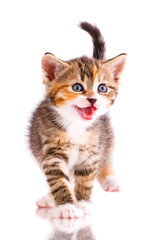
(92, 100)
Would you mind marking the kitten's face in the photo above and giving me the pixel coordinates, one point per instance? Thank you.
(82, 89)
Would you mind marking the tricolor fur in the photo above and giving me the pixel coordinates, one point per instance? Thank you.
(70, 132)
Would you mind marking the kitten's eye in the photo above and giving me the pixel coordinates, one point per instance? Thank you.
(102, 88)
(77, 87)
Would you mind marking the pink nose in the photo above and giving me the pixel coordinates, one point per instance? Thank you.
(92, 100)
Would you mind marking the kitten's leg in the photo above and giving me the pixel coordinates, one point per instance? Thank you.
(106, 176)
(58, 180)
(84, 179)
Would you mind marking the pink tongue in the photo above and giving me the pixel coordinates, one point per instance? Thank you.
(88, 111)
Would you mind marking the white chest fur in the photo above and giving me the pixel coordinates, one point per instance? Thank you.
(73, 156)
(76, 132)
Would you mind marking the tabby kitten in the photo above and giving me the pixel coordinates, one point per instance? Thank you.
(70, 133)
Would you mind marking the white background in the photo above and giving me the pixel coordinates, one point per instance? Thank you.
(28, 30)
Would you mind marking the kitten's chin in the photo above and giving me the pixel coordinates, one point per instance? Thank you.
(87, 113)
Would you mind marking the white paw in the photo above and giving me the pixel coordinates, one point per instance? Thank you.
(68, 210)
(45, 202)
(110, 184)
(85, 207)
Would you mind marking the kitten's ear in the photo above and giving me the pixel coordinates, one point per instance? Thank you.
(116, 65)
(52, 67)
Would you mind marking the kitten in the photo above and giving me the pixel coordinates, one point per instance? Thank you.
(70, 133)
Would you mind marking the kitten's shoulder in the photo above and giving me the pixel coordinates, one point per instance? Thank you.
(45, 114)
(104, 120)
(106, 130)
(44, 124)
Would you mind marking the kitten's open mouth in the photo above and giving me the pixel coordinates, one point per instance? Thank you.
(86, 113)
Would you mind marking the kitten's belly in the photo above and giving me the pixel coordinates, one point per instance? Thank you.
(85, 149)
(77, 156)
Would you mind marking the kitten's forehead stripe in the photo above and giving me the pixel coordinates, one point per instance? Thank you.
(81, 67)
(87, 68)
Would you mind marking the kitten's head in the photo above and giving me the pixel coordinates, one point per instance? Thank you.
(83, 88)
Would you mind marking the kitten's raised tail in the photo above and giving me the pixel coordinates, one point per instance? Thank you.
(97, 38)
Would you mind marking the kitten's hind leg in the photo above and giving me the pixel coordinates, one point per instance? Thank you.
(107, 179)
(110, 184)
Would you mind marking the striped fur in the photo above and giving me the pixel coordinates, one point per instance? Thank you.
(72, 151)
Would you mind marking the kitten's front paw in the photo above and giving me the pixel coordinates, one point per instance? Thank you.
(85, 207)
(110, 184)
(45, 202)
(67, 211)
